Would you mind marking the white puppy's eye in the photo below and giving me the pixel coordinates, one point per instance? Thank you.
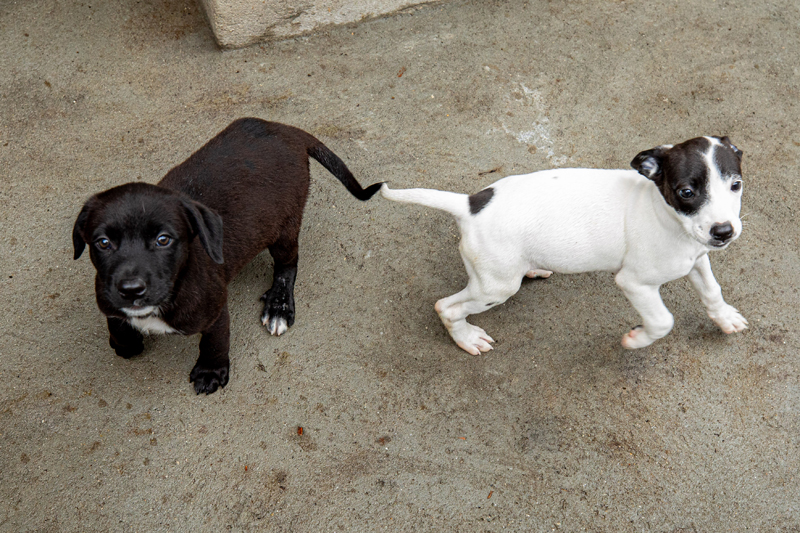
(103, 243)
(736, 185)
(686, 193)
(163, 240)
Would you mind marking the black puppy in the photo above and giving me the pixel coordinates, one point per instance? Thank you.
(162, 263)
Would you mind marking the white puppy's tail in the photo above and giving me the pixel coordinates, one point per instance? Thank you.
(454, 203)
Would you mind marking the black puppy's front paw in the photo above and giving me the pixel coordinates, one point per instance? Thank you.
(127, 350)
(208, 380)
(278, 315)
(125, 340)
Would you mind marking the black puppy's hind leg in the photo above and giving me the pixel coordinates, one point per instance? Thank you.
(278, 315)
(213, 366)
(125, 340)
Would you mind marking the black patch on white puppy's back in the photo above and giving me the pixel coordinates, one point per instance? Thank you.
(479, 200)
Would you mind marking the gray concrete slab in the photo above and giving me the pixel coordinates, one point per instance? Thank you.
(239, 23)
(557, 428)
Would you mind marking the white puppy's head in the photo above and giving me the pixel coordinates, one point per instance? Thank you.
(701, 179)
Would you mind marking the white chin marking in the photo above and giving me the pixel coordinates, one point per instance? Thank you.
(141, 312)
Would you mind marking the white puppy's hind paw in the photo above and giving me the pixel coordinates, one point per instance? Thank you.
(538, 273)
(474, 340)
(636, 338)
(729, 319)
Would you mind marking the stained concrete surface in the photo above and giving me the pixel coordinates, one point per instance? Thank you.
(558, 428)
(238, 23)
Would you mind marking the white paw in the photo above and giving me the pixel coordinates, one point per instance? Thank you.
(473, 340)
(539, 273)
(276, 326)
(636, 338)
(729, 319)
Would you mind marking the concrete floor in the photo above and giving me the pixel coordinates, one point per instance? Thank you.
(557, 429)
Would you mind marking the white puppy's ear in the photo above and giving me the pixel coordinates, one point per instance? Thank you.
(207, 225)
(727, 141)
(650, 163)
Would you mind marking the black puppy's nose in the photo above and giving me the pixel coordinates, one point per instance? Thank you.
(722, 232)
(132, 288)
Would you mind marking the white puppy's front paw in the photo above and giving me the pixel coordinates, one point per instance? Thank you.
(636, 338)
(729, 319)
(473, 340)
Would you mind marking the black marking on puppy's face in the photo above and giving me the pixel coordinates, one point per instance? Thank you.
(479, 200)
(727, 158)
(736, 152)
(680, 172)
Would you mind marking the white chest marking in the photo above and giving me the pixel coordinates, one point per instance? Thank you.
(151, 324)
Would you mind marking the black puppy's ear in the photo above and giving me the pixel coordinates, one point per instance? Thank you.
(207, 225)
(736, 151)
(650, 163)
(77, 231)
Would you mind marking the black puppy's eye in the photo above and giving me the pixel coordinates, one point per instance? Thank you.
(163, 240)
(686, 193)
(736, 186)
(103, 243)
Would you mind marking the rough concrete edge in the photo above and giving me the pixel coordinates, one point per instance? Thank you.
(270, 36)
(205, 7)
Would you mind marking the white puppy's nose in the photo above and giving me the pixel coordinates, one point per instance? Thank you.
(722, 232)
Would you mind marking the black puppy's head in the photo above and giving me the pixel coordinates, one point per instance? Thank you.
(140, 237)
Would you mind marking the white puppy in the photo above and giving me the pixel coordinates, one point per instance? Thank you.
(650, 225)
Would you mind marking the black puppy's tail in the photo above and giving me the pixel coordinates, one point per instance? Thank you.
(336, 166)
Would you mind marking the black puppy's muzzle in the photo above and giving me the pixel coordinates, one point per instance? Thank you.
(721, 234)
(132, 289)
